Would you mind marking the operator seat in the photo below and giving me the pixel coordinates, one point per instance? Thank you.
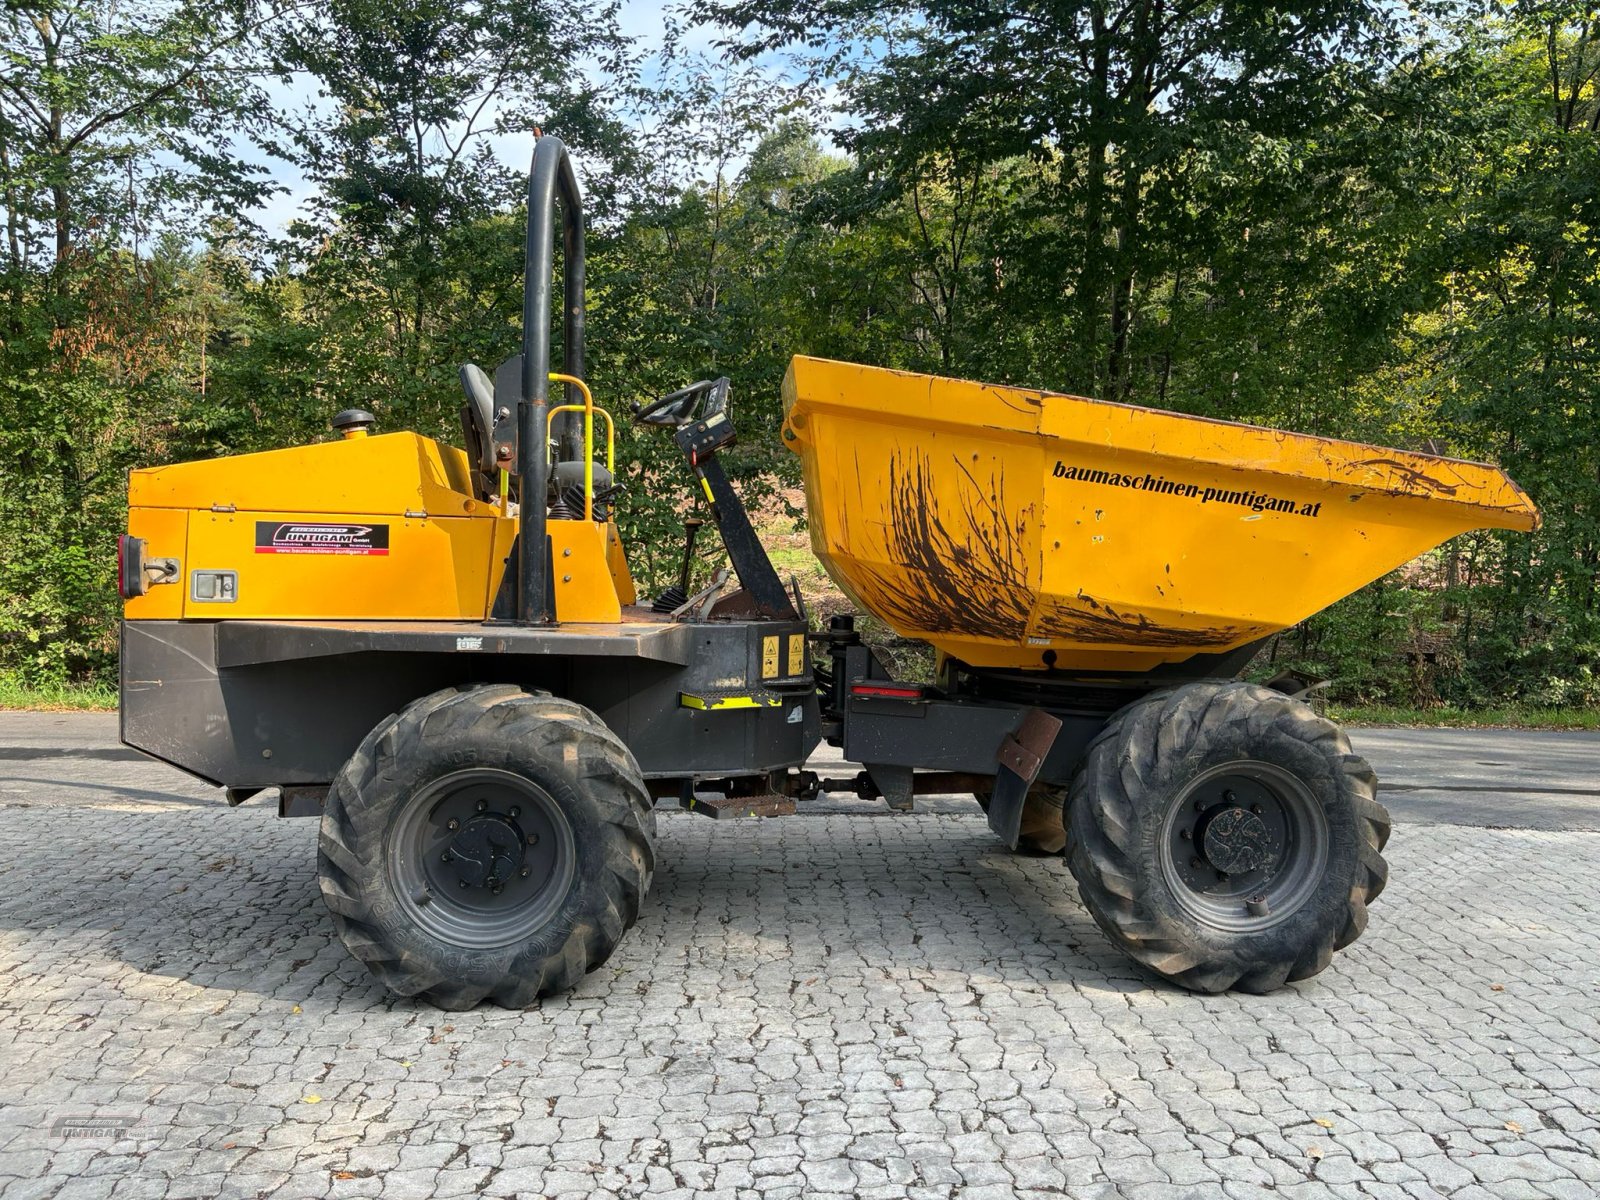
(477, 430)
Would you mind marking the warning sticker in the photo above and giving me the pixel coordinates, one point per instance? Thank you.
(308, 537)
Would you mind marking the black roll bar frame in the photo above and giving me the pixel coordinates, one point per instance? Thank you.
(550, 179)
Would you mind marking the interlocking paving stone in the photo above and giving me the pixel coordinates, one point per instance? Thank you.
(823, 1005)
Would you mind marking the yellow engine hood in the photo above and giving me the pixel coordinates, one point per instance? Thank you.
(1018, 528)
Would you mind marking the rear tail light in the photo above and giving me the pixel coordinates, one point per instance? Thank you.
(131, 580)
(890, 691)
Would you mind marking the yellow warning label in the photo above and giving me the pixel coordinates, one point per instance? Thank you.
(719, 703)
(769, 657)
(797, 653)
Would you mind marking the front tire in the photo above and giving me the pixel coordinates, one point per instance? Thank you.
(486, 843)
(1225, 836)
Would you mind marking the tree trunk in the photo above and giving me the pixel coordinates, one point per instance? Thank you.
(1452, 578)
(1091, 276)
(13, 242)
(1135, 105)
(61, 207)
(60, 195)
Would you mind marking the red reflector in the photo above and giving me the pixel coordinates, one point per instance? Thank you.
(892, 691)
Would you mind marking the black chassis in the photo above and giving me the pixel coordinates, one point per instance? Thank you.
(256, 704)
(249, 705)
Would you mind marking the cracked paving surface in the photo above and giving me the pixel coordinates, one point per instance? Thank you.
(828, 1005)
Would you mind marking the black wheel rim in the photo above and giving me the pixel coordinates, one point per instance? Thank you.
(481, 858)
(1244, 846)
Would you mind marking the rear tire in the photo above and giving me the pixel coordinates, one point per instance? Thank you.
(486, 843)
(1044, 828)
(1225, 836)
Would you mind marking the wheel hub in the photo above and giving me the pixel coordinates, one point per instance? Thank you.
(1236, 841)
(482, 857)
(1243, 846)
(488, 850)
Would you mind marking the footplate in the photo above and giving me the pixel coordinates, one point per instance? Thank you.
(727, 807)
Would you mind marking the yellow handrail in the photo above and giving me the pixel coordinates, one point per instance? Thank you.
(611, 429)
(588, 409)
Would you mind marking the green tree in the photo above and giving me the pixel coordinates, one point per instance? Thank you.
(687, 286)
(399, 145)
(117, 126)
(1510, 353)
(1113, 101)
(115, 119)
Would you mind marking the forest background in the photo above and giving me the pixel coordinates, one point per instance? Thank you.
(1370, 220)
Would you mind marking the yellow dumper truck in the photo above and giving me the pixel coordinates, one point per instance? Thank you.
(438, 651)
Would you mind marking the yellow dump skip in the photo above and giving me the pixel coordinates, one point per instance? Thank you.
(1017, 528)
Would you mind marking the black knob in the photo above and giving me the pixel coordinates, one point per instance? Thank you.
(354, 418)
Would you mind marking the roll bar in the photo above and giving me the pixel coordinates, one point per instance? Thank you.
(551, 178)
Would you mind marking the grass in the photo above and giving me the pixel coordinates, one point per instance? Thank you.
(1517, 716)
(56, 697)
(801, 564)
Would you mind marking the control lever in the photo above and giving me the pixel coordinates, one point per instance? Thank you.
(691, 529)
(675, 595)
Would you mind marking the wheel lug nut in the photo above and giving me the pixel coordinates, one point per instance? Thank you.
(515, 813)
(1228, 796)
(1222, 877)
(1186, 835)
(1256, 808)
(1199, 806)
(1194, 862)
(495, 890)
(452, 825)
(525, 872)
(462, 884)
(533, 839)
(446, 857)
(482, 805)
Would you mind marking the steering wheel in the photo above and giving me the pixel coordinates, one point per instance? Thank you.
(697, 401)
